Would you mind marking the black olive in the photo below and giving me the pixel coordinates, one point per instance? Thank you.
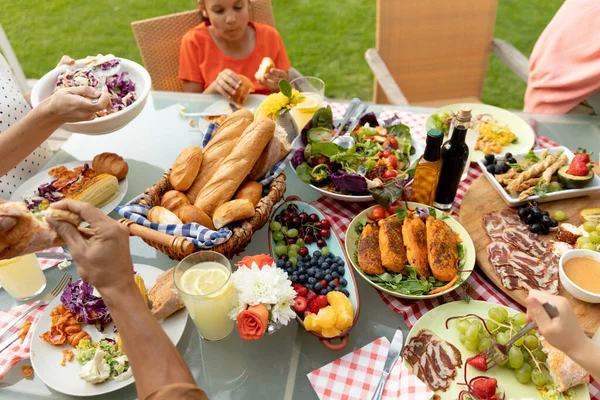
(536, 228)
(546, 220)
(491, 169)
(545, 229)
(499, 169)
(490, 158)
(537, 210)
(508, 155)
(553, 223)
(546, 213)
(530, 219)
(512, 161)
(485, 162)
(534, 203)
(505, 167)
(523, 212)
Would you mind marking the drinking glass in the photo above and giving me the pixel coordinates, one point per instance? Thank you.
(313, 90)
(205, 285)
(22, 277)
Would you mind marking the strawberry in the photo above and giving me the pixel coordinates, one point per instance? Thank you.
(307, 313)
(310, 296)
(485, 387)
(478, 361)
(580, 169)
(323, 282)
(299, 304)
(300, 290)
(337, 282)
(581, 156)
(319, 302)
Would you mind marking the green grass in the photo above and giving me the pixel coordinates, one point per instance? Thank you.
(323, 38)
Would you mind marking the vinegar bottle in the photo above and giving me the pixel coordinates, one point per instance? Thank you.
(428, 169)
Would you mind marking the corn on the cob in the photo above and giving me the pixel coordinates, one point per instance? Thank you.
(139, 281)
(98, 190)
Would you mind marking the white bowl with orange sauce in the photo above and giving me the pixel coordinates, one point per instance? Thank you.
(579, 272)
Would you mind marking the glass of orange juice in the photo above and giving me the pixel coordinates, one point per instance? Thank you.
(205, 285)
(313, 90)
(22, 277)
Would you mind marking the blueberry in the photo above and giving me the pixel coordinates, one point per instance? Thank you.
(285, 257)
(302, 278)
(335, 274)
(337, 289)
(328, 271)
(289, 270)
(329, 289)
(314, 262)
(343, 282)
(332, 284)
(294, 278)
(341, 271)
(288, 264)
(311, 280)
(280, 263)
(317, 254)
(302, 270)
(340, 262)
(330, 255)
(323, 291)
(310, 272)
(322, 260)
(334, 265)
(328, 278)
(309, 286)
(300, 264)
(490, 158)
(318, 286)
(319, 275)
(295, 273)
(346, 292)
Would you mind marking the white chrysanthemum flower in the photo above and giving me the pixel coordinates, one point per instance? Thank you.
(282, 312)
(237, 308)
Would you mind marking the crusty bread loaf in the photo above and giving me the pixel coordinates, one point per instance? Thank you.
(243, 91)
(110, 163)
(236, 167)
(190, 213)
(250, 190)
(265, 66)
(232, 211)
(277, 149)
(220, 145)
(565, 372)
(160, 215)
(164, 297)
(173, 200)
(186, 167)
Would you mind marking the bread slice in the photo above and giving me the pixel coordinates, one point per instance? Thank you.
(243, 91)
(277, 148)
(265, 66)
(565, 372)
(164, 296)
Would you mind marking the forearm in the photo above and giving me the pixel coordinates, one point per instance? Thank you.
(21, 139)
(154, 359)
(587, 356)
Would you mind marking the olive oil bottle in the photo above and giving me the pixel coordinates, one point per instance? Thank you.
(428, 169)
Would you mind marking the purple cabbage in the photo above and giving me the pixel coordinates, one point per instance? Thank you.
(79, 298)
(391, 121)
(423, 212)
(348, 182)
(298, 157)
(369, 118)
(304, 133)
(109, 64)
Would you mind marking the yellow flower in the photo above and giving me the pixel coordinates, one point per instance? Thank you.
(272, 106)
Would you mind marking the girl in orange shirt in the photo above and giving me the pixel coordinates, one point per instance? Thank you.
(227, 44)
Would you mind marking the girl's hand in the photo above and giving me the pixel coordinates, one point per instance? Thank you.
(75, 104)
(226, 83)
(272, 78)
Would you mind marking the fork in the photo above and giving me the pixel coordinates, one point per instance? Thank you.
(498, 353)
(60, 286)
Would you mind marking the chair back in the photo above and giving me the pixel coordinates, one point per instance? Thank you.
(159, 41)
(435, 49)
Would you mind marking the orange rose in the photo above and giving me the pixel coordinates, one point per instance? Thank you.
(261, 260)
(252, 322)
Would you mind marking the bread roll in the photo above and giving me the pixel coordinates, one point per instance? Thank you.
(232, 211)
(265, 66)
(565, 372)
(186, 167)
(110, 163)
(173, 200)
(189, 214)
(236, 167)
(219, 146)
(277, 149)
(250, 191)
(243, 91)
(160, 215)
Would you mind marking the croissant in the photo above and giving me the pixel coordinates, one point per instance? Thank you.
(76, 338)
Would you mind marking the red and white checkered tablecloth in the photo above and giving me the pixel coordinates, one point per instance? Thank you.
(479, 286)
(355, 376)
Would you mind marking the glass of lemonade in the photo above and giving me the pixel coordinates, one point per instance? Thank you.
(313, 90)
(22, 277)
(205, 285)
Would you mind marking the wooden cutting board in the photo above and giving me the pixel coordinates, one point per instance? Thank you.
(482, 198)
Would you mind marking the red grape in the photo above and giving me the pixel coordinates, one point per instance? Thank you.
(325, 224)
(303, 251)
(325, 232)
(321, 243)
(291, 241)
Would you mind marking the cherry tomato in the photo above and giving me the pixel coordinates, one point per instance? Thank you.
(393, 207)
(394, 143)
(378, 213)
(389, 174)
(386, 153)
(393, 160)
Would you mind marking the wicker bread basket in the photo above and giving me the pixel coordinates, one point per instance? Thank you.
(177, 247)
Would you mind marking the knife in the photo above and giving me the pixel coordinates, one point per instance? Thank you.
(9, 341)
(392, 357)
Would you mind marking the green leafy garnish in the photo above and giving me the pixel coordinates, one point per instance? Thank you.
(320, 173)
(286, 88)
(531, 156)
(303, 171)
(439, 215)
(406, 284)
(358, 228)
(323, 118)
(541, 189)
(387, 194)
(516, 166)
(401, 213)
(327, 149)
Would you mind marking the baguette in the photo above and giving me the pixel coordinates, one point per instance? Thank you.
(232, 211)
(236, 167)
(160, 215)
(110, 163)
(277, 148)
(189, 214)
(250, 191)
(173, 200)
(219, 146)
(186, 168)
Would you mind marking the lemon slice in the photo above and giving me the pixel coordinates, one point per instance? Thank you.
(311, 103)
(203, 281)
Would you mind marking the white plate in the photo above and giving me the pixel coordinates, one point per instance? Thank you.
(345, 197)
(46, 358)
(524, 132)
(29, 188)
(593, 186)
(222, 107)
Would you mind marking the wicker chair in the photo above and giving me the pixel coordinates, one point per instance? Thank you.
(437, 51)
(159, 41)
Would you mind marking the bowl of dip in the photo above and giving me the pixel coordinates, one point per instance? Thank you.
(579, 272)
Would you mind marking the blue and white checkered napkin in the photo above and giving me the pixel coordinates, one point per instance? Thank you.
(201, 236)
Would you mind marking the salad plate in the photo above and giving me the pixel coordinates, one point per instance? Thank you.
(45, 358)
(524, 134)
(29, 188)
(222, 107)
(435, 321)
(407, 289)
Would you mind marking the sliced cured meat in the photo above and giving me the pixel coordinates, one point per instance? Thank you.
(433, 360)
(495, 222)
(499, 253)
(527, 241)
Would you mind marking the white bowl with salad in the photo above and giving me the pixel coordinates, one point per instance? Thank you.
(384, 152)
(129, 89)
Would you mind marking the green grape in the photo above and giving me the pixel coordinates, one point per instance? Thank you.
(300, 242)
(484, 344)
(280, 250)
(526, 356)
(598, 227)
(515, 357)
(293, 247)
(292, 233)
(483, 334)
(498, 314)
(292, 253)
(589, 246)
(531, 342)
(462, 338)
(520, 342)
(595, 237)
(284, 230)
(275, 226)
(462, 325)
(491, 325)
(538, 377)
(293, 260)
(559, 215)
(539, 355)
(503, 363)
(555, 187)
(523, 374)
(471, 345)
(532, 332)
(325, 250)
(590, 226)
(502, 338)
(278, 236)
(520, 319)
(583, 240)
(472, 332)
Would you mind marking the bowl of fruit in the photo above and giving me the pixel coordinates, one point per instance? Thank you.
(327, 303)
